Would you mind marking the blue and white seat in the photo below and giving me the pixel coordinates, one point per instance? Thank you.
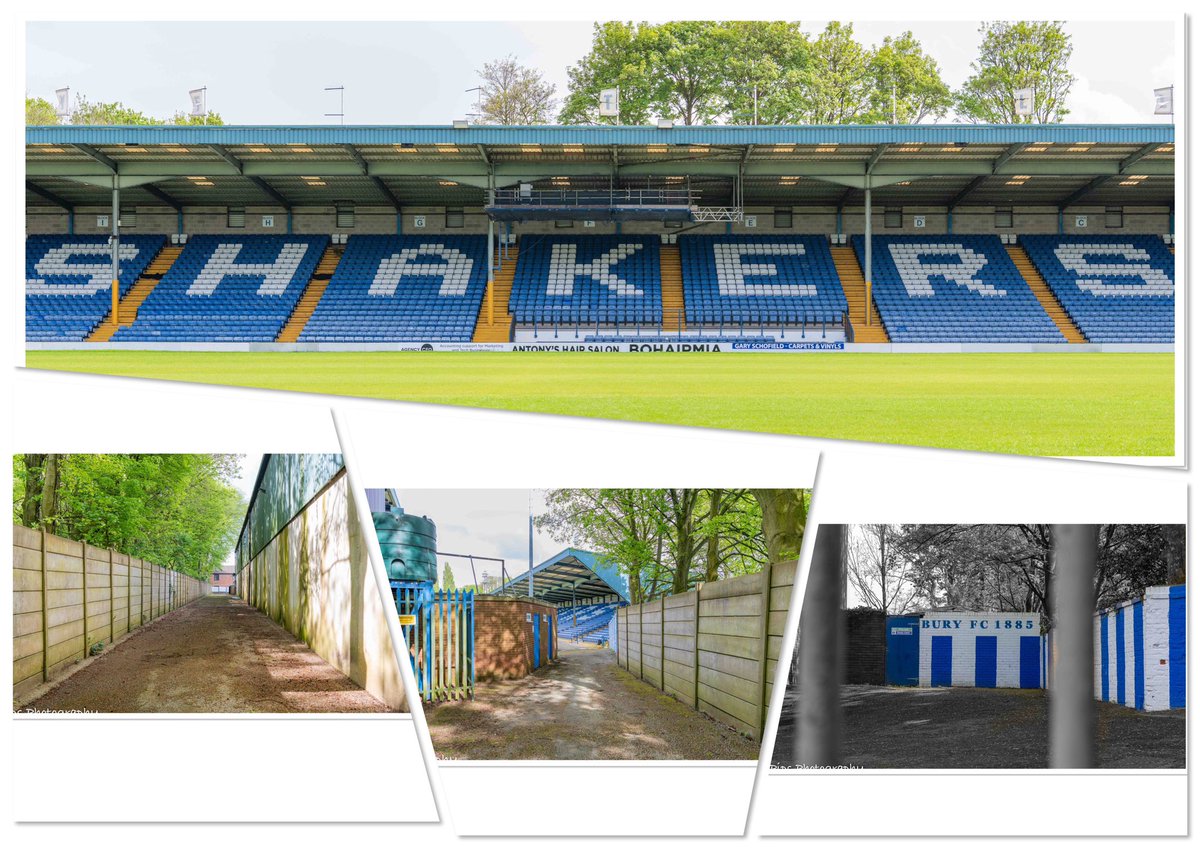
(228, 289)
(588, 623)
(953, 288)
(68, 281)
(403, 288)
(587, 281)
(1116, 288)
(756, 280)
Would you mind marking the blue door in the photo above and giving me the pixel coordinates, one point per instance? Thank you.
(985, 660)
(941, 661)
(903, 650)
(537, 640)
(1031, 662)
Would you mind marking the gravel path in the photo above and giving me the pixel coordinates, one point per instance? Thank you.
(215, 655)
(901, 727)
(581, 708)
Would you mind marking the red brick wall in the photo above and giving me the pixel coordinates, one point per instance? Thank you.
(504, 639)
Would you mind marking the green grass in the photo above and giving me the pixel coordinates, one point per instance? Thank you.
(1080, 404)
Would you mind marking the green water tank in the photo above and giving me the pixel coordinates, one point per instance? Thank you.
(408, 544)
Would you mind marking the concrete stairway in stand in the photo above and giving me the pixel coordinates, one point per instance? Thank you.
(1041, 290)
(313, 292)
(671, 271)
(500, 328)
(128, 307)
(854, 285)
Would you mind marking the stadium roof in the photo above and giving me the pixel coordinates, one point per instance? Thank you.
(942, 165)
(571, 574)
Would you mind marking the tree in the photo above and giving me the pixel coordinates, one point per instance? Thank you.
(625, 526)
(1010, 567)
(901, 70)
(687, 62)
(839, 87)
(764, 66)
(175, 510)
(447, 578)
(621, 57)
(514, 94)
(109, 114)
(1015, 55)
(667, 541)
(785, 514)
(876, 570)
(39, 112)
(181, 118)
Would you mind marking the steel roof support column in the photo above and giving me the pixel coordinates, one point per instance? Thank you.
(116, 250)
(867, 254)
(491, 252)
(1072, 601)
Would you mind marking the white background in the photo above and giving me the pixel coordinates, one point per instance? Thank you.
(104, 414)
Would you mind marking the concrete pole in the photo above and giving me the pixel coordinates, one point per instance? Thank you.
(1072, 699)
(867, 253)
(116, 251)
(821, 653)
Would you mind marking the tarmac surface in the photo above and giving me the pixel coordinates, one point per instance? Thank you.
(891, 727)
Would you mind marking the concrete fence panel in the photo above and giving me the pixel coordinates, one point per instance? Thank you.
(69, 596)
(714, 648)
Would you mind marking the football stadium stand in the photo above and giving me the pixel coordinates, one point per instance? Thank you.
(228, 289)
(1117, 289)
(734, 282)
(686, 234)
(68, 282)
(948, 288)
(602, 285)
(403, 288)
(586, 623)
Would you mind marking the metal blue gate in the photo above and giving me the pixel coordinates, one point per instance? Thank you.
(903, 663)
(439, 631)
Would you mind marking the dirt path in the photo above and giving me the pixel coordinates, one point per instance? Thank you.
(900, 727)
(581, 708)
(216, 655)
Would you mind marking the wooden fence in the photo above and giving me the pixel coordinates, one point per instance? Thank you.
(715, 648)
(69, 596)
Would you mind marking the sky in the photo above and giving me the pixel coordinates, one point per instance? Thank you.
(419, 72)
(483, 522)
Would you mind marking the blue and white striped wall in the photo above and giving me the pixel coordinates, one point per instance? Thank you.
(1141, 651)
(995, 650)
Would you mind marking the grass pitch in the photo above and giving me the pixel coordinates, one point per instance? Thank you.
(1077, 404)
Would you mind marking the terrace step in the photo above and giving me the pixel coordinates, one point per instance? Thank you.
(854, 285)
(313, 292)
(500, 326)
(1041, 290)
(128, 306)
(671, 271)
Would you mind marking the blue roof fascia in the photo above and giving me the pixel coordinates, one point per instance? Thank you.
(607, 135)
